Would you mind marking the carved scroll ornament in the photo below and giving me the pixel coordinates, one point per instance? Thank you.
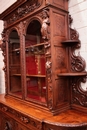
(79, 96)
(77, 62)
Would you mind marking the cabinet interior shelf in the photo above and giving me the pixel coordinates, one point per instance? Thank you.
(41, 76)
(16, 74)
(36, 45)
(73, 74)
(40, 44)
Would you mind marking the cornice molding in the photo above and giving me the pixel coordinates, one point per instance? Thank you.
(11, 8)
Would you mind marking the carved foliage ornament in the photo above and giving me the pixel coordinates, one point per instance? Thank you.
(3, 47)
(45, 31)
(22, 11)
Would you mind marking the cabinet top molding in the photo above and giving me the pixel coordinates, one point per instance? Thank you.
(21, 6)
(11, 8)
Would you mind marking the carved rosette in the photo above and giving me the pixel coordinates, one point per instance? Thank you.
(77, 62)
(45, 30)
(24, 9)
(79, 96)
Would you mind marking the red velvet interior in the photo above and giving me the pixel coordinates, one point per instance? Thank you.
(35, 65)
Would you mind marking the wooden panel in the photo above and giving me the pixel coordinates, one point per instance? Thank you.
(59, 24)
(59, 2)
(60, 59)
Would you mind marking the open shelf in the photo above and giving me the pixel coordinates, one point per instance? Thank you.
(72, 74)
(36, 45)
(70, 42)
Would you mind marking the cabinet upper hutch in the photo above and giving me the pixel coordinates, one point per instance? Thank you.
(32, 36)
(41, 68)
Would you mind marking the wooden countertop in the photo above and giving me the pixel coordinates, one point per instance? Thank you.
(68, 118)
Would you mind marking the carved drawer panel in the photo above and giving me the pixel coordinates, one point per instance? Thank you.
(21, 118)
(7, 123)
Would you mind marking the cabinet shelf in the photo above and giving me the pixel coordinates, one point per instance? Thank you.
(16, 74)
(72, 74)
(70, 42)
(40, 76)
(36, 45)
(14, 65)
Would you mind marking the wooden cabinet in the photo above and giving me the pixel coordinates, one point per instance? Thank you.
(34, 55)
(42, 73)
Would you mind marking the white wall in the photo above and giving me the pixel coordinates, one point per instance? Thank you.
(4, 4)
(78, 11)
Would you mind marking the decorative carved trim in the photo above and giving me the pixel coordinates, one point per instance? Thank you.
(3, 47)
(23, 10)
(79, 96)
(23, 118)
(45, 25)
(5, 41)
(77, 62)
(45, 30)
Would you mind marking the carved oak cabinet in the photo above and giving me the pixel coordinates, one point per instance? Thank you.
(43, 75)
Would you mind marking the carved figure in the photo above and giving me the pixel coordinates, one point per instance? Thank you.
(44, 29)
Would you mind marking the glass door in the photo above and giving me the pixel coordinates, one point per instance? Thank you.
(14, 64)
(35, 63)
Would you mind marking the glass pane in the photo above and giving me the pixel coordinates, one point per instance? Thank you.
(35, 63)
(14, 64)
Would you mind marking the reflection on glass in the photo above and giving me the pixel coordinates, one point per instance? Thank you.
(35, 63)
(14, 64)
